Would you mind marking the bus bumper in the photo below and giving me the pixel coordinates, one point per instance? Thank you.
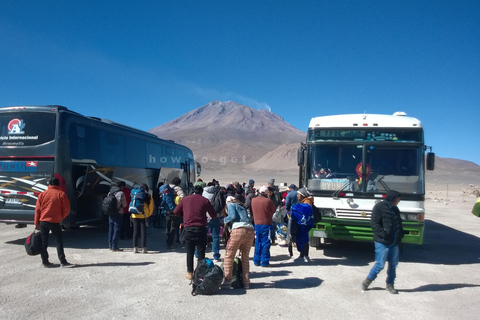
(17, 216)
(353, 230)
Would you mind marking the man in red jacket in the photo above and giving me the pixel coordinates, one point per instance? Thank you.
(263, 210)
(51, 208)
(194, 210)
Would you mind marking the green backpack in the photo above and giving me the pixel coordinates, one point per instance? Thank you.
(237, 281)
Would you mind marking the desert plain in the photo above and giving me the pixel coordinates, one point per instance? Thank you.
(436, 280)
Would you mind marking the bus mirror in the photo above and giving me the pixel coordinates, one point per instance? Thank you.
(430, 161)
(300, 160)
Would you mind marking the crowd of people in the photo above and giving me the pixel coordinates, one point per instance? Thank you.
(244, 213)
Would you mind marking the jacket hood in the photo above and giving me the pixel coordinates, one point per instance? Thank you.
(211, 189)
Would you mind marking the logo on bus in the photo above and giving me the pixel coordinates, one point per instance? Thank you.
(15, 126)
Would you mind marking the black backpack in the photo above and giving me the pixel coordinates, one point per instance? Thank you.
(110, 205)
(207, 278)
(317, 214)
(33, 245)
(237, 281)
(218, 201)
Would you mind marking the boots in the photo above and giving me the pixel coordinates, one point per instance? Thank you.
(365, 284)
(391, 289)
(144, 250)
(135, 250)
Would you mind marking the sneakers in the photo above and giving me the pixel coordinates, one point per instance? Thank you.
(306, 259)
(144, 250)
(66, 265)
(172, 247)
(135, 250)
(48, 265)
(226, 284)
(391, 289)
(365, 284)
(189, 275)
(116, 250)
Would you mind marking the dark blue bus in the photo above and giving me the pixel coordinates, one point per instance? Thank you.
(86, 154)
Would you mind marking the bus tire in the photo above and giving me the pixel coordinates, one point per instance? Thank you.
(315, 242)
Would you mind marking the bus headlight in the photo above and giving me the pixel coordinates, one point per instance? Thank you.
(409, 217)
(328, 213)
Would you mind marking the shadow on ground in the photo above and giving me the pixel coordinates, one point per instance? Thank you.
(442, 245)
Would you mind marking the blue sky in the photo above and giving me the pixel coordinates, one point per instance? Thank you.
(144, 63)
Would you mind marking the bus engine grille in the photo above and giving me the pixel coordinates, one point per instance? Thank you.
(354, 214)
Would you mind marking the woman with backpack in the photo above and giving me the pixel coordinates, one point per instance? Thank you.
(241, 238)
(140, 219)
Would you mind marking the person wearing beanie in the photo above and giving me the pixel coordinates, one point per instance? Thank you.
(299, 234)
(387, 230)
(249, 195)
(262, 210)
(304, 196)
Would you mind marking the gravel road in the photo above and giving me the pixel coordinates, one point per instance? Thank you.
(438, 280)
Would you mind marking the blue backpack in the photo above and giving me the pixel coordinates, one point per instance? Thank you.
(168, 195)
(138, 197)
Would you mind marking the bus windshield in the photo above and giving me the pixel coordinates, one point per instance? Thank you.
(366, 168)
(26, 128)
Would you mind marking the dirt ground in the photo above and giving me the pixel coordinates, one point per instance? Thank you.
(437, 280)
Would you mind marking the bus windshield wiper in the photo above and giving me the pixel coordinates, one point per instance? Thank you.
(380, 180)
(347, 184)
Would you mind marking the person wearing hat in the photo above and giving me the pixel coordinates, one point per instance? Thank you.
(387, 230)
(249, 194)
(299, 233)
(263, 210)
(304, 196)
(291, 198)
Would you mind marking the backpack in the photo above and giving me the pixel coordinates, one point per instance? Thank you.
(218, 201)
(207, 278)
(317, 215)
(168, 195)
(33, 244)
(109, 204)
(237, 281)
(138, 197)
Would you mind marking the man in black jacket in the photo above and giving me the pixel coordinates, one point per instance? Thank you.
(388, 233)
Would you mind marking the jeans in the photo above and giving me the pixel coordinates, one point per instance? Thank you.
(114, 226)
(195, 237)
(139, 229)
(384, 253)
(262, 245)
(45, 228)
(171, 223)
(214, 224)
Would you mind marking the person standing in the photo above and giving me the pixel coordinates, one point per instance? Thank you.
(140, 221)
(291, 198)
(241, 238)
(51, 208)
(176, 227)
(126, 231)
(249, 194)
(115, 221)
(263, 210)
(213, 193)
(299, 229)
(193, 209)
(387, 230)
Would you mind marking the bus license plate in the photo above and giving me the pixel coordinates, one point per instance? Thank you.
(12, 201)
(319, 234)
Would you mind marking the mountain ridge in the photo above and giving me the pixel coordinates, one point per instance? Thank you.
(230, 137)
